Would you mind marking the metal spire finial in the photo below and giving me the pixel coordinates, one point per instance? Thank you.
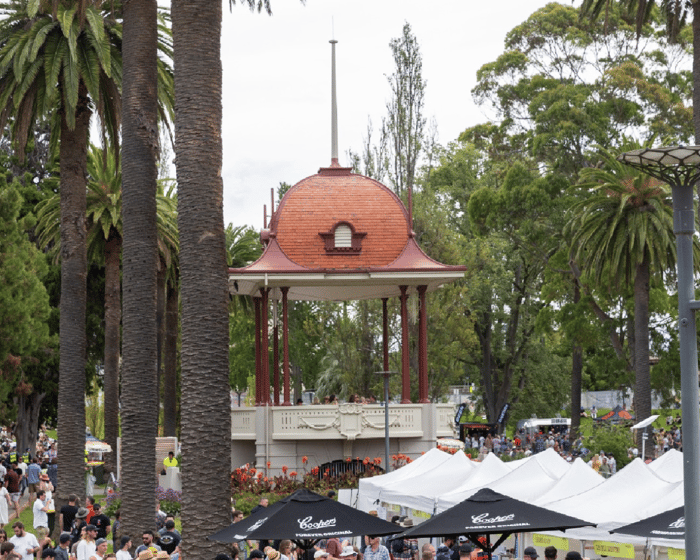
(334, 110)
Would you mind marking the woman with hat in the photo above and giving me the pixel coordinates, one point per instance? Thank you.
(78, 524)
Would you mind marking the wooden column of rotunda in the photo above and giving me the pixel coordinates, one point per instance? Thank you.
(262, 364)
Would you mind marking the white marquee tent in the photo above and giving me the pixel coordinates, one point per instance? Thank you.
(432, 484)
(370, 488)
(425, 487)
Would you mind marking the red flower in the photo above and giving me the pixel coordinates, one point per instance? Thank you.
(285, 468)
(304, 459)
(269, 464)
(293, 473)
(377, 460)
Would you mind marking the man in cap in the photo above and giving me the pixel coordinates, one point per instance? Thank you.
(63, 548)
(87, 547)
(530, 553)
(465, 551)
(100, 549)
(25, 543)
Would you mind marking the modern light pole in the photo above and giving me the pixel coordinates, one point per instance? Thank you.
(385, 375)
(679, 166)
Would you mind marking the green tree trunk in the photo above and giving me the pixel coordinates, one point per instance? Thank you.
(140, 261)
(205, 406)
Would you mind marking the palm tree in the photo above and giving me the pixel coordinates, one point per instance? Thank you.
(61, 59)
(204, 289)
(104, 246)
(622, 236)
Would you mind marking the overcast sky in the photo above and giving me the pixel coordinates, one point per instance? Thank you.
(277, 76)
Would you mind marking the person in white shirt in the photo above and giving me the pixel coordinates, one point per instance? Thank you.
(123, 552)
(5, 504)
(87, 547)
(41, 518)
(25, 543)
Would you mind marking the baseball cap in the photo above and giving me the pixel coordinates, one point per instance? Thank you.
(320, 553)
(463, 539)
(98, 542)
(531, 552)
(348, 551)
(465, 549)
(90, 528)
(256, 553)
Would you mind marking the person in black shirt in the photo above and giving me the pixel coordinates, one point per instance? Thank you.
(67, 514)
(170, 538)
(101, 521)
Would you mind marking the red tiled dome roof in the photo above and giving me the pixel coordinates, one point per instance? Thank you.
(319, 203)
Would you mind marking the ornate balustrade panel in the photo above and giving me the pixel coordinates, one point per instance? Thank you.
(445, 420)
(243, 423)
(346, 421)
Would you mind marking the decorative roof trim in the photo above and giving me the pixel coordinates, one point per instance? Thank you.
(273, 259)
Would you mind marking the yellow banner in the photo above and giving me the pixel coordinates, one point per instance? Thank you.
(416, 514)
(617, 550)
(676, 553)
(548, 540)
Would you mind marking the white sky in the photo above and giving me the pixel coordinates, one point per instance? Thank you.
(277, 76)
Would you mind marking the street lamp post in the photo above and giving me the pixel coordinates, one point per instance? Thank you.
(679, 166)
(385, 375)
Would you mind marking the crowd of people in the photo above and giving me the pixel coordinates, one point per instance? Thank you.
(86, 532)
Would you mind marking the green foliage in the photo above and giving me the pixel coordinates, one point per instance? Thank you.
(613, 439)
(26, 345)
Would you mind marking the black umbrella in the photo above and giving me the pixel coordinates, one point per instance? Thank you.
(305, 517)
(486, 513)
(667, 525)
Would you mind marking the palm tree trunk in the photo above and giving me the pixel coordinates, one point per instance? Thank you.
(696, 71)
(642, 390)
(205, 407)
(113, 318)
(71, 383)
(140, 261)
(576, 372)
(170, 361)
(160, 325)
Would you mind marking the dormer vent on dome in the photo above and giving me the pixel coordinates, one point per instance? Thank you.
(342, 239)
